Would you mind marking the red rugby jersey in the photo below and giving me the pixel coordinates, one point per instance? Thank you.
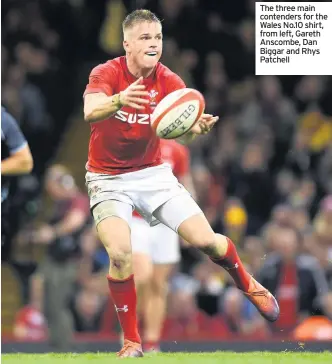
(125, 142)
(177, 155)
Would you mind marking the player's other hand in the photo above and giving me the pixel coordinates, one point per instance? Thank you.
(133, 95)
(204, 124)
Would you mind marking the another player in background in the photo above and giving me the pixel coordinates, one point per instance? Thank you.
(156, 250)
(126, 172)
(16, 159)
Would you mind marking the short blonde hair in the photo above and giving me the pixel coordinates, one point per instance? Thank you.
(138, 16)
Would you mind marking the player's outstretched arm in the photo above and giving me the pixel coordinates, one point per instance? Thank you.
(202, 126)
(99, 106)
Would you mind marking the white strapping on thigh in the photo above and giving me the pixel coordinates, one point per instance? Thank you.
(176, 210)
(110, 208)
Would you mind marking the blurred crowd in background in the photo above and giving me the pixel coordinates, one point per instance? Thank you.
(263, 176)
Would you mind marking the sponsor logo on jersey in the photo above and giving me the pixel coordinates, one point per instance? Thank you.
(133, 118)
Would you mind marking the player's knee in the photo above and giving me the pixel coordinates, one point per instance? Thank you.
(159, 287)
(142, 272)
(140, 279)
(120, 259)
(118, 247)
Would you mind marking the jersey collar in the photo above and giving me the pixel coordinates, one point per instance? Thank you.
(131, 78)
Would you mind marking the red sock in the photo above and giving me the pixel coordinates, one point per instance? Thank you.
(232, 263)
(123, 293)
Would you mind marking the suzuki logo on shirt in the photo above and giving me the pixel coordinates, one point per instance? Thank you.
(127, 117)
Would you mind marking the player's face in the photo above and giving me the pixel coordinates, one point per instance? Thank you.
(145, 43)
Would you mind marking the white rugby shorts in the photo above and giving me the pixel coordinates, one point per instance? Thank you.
(145, 190)
(159, 242)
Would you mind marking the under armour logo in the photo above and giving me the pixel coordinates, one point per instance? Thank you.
(236, 265)
(124, 308)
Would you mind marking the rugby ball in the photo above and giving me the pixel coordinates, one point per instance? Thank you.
(177, 113)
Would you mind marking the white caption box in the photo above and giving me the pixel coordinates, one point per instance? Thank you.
(293, 38)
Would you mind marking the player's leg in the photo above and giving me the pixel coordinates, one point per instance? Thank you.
(113, 225)
(142, 261)
(165, 249)
(155, 309)
(183, 215)
(143, 269)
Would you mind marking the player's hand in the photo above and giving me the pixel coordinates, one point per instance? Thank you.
(133, 95)
(204, 124)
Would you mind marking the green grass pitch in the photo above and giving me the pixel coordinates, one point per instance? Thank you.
(181, 358)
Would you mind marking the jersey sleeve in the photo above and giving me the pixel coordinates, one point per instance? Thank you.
(101, 79)
(174, 82)
(182, 158)
(12, 133)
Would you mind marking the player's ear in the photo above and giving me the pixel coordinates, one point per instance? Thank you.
(125, 45)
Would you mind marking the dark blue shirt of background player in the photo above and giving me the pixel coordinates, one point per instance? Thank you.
(16, 157)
